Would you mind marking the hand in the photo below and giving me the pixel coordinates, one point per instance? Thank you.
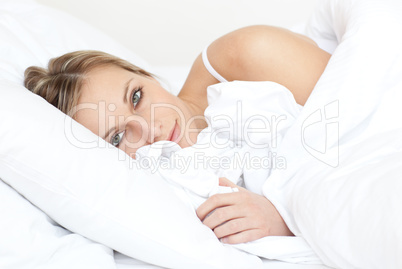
(242, 216)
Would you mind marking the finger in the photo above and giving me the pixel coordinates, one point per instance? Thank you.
(243, 237)
(231, 227)
(222, 215)
(215, 201)
(223, 181)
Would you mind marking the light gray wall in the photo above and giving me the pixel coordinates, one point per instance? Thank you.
(173, 32)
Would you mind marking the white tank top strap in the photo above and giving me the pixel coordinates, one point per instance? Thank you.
(209, 67)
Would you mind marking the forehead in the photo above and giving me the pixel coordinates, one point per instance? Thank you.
(104, 82)
(102, 91)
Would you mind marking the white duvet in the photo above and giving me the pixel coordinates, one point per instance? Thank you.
(342, 192)
(342, 189)
(246, 123)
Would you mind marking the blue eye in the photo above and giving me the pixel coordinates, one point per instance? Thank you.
(136, 97)
(116, 139)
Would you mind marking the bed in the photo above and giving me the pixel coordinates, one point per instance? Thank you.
(340, 193)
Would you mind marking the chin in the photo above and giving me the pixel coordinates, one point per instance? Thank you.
(183, 143)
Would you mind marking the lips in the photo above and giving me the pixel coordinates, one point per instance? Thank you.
(175, 133)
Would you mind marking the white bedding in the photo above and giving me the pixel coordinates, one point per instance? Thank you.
(124, 262)
(240, 142)
(343, 192)
(340, 193)
(342, 187)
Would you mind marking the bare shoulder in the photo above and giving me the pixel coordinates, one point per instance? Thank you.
(262, 53)
(236, 54)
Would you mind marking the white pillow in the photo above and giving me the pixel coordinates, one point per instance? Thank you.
(30, 35)
(29, 239)
(36, 33)
(75, 177)
(91, 192)
(342, 187)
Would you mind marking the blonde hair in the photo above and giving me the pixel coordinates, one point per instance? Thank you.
(60, 84)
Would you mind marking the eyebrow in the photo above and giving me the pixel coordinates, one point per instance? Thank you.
(126, 88)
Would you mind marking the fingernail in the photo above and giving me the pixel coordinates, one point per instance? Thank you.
(224, 240)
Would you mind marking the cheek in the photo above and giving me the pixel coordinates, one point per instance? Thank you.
(189, 137)
(90, 118)
(136, 131)
(132, 143)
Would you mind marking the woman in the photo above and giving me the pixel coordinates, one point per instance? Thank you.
(127, 107)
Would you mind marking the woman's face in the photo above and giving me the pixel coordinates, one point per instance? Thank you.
(130, 110)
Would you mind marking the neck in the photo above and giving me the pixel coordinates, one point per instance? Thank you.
(196, 110)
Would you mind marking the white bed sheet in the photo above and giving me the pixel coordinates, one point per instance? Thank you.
(124, 262)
